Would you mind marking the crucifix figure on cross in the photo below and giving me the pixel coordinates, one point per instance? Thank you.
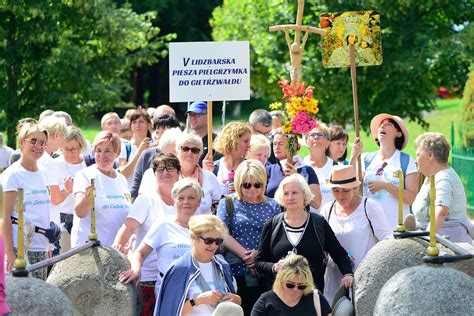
(296, 47)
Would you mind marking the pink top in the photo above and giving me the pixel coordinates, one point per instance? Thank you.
(4, 309)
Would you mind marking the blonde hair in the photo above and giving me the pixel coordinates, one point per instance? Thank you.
(298, 179)
(250, 168)
(107, 137)
(202, 224)
(29, 128)
(294, 265)
(258, 141)
(75, 133)
(54, 125)
(228, 140)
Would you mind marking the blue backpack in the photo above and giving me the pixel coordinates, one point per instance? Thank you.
(404, 160)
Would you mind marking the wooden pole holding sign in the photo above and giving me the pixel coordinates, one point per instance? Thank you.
(209, 130)
(355, 102)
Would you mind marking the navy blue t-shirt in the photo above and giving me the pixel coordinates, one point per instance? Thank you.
(275, 176)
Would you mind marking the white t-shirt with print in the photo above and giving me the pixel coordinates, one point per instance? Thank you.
(195, 290)
(147, 209)
(383, 197)
(64, 169)
(324, 174)
(36, 198)
(112, 203)
(170, 241)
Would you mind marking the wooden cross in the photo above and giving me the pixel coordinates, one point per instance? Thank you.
(297, 47)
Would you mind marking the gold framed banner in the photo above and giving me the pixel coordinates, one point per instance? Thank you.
(360, 27)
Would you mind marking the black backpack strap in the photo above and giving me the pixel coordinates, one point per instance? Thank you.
(370, 223)
(229, 205)
(330, 210)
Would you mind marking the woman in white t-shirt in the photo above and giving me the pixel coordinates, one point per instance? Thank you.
(317, 141)
(380, 182)
(26, 174)
(356, 221)
(189, 148)
(140, 124)
(169, 238)
(67, 165)
(111, 195)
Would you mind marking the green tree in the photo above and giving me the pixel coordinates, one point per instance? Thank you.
(422, 49)
(70, 55)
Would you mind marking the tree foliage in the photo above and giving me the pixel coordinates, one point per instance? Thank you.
(424, 46)
(69, 55)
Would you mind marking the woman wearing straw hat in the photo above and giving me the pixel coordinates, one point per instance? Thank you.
(380, 183)
(358, 223)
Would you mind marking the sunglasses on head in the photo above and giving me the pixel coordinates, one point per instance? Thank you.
(300, 287)
(248, 185)
(210, 241)
(194, 150)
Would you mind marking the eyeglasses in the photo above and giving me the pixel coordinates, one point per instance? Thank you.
(210, 241)
(71, 150)
(248, 185)
(196, 114)
(168, 169)
(194, 150)
(379, 171)
(317, 136)
(300, 287)
(37, 143)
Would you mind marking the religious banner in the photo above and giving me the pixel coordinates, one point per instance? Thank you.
(360, 27)
(211, 71)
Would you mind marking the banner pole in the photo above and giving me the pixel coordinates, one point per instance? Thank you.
(356, 107)
(209, 130)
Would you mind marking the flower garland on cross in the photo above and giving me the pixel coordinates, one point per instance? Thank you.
(300, 108)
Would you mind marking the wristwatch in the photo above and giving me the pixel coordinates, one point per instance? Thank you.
(192, 302)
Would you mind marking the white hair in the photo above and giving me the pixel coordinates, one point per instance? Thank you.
(169, 137)
(301, 182)
(187, 138)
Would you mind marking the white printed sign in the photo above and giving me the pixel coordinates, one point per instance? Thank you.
(209, 71)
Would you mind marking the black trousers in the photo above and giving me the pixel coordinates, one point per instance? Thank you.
(248, 294)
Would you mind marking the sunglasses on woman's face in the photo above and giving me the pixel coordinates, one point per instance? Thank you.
(300, 287)
(248, 185)
(194, 150)
(210, 241)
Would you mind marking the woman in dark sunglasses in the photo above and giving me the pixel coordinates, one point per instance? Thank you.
(244, 214)
(293, 292)
(188, 149)
(198, 280)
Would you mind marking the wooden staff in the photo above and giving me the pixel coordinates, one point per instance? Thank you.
(93, 234)
(20, 262)
(400, 226)
(356, 106)
(209, 130)
(432, 250)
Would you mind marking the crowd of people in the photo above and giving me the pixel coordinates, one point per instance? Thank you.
(245, 229)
